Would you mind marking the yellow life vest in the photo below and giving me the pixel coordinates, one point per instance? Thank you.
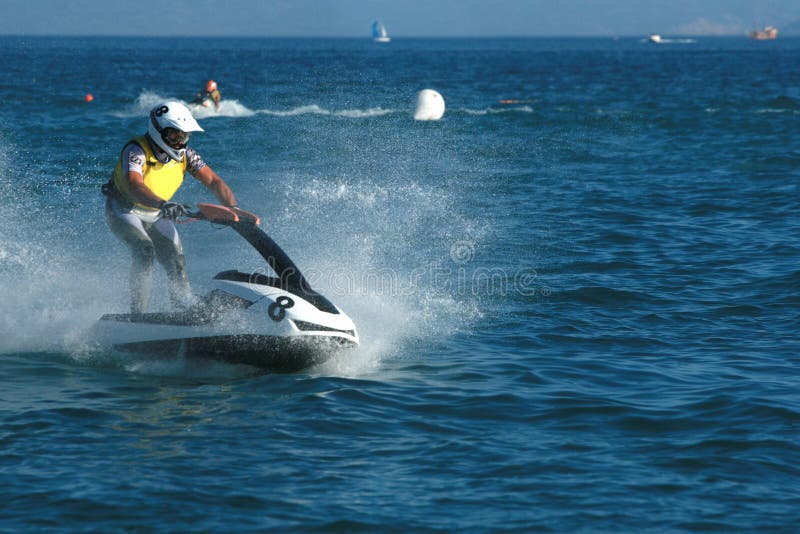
(163, 179)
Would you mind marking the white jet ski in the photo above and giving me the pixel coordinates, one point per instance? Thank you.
(277, 323)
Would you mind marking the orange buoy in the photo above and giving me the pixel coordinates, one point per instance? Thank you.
(88, 97)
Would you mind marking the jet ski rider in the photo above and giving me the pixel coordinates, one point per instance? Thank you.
(210, 92)
(139, 210)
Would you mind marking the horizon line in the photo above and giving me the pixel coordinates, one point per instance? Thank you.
(369, 38)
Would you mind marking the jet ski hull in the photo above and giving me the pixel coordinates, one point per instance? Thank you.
(227, 327)
(270, 353)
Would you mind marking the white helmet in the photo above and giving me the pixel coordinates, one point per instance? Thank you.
(171, 124)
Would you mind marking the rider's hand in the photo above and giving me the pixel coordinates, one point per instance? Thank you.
(246, 215)
(173, 210)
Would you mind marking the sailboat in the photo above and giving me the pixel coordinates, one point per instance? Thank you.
(379, 34)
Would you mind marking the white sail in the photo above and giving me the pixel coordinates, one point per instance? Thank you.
(379, 34)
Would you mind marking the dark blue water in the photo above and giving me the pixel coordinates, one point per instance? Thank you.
(578, 312)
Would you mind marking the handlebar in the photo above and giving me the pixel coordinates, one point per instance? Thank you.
(223, 215)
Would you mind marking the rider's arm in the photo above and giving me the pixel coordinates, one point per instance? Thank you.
(206, 176)
(216, 185)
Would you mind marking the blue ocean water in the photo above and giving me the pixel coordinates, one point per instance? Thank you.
(578, 311)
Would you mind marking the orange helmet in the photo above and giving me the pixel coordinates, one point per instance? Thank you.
(211, 86)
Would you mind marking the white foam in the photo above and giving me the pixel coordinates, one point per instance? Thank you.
(770, 111)
(314, 109)
(497, 111)
(52, 288)
(227, 108)
(364, 113)
(366, 256)
(147, 100)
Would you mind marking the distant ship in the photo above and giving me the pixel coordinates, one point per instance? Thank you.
(379, 34)
(654, 38)
(768, 33)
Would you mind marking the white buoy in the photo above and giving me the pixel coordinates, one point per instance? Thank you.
(430, 106)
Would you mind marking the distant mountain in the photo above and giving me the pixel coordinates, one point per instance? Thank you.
(793, 28)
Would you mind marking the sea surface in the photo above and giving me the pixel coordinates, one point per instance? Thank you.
(579, 311)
